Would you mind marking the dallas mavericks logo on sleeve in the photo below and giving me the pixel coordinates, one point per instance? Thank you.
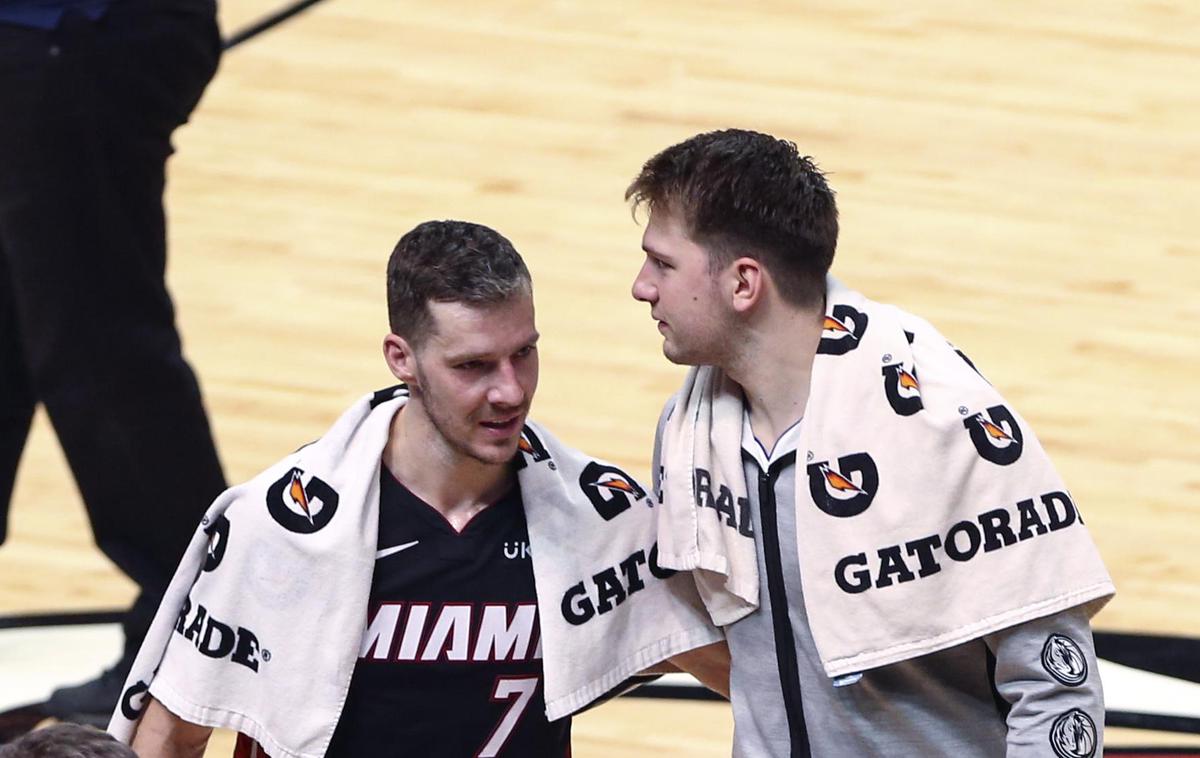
(843, 330)
(1064, 660)
(996, 435)
(1073, 735)
(299, 507)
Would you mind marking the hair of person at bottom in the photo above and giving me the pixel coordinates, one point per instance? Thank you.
(67, 741)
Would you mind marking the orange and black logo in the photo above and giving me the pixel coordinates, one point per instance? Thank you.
(996, 435)
(299, 507)
(902, 388)
(218, 539)
(610, 490)
(843, 330)
(834, 490)
(532, 447)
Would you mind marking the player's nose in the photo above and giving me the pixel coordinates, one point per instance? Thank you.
(643, 289)
(507, 390)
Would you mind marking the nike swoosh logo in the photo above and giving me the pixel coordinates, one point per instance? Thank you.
(393, 550)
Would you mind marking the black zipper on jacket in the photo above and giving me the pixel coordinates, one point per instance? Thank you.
(785, 639)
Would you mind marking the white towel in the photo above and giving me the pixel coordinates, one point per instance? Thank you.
(261, 627)
(695, 537)
(927, 513)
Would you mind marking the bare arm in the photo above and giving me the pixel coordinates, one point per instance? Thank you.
(709, 664)
(162, 734)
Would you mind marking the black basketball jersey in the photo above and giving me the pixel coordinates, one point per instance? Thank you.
(451, 661)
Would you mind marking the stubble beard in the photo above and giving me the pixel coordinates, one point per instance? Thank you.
(444, 426)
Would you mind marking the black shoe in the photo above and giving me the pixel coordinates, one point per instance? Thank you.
(92, 702)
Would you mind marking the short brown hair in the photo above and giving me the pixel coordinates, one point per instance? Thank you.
(739, 193)
(449, 261)
(67, 741)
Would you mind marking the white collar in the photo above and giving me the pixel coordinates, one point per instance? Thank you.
(787, 442)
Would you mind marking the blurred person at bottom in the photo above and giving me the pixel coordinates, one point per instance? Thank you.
(67, 741)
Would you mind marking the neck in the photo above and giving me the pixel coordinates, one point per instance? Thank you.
(454, 484)
(773, 364)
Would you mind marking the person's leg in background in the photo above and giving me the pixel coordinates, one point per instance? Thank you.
(16, 396)
(84, 233)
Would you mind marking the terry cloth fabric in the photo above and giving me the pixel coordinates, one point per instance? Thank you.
(261, 627)
(927, 512)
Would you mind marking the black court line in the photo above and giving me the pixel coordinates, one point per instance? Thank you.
(75, 618)
(1178, 657)
(267, 22)
(1157, 722)
(674, 692)
(1181, 752)
(1177, 752)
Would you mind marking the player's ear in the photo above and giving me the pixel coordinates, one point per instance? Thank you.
(746, 283)
(401, 361)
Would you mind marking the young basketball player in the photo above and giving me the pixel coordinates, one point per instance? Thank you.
(897, 567)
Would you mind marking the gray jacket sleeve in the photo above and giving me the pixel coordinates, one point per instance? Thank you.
(1047, 677)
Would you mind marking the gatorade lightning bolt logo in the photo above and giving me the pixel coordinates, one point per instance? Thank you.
(902, 389)
(218, 540)
(1073, 735)
(531, 446)
(834, 490)
(299, 507)
(609, 489)
(133, 700)
(843, 330)
(996, 435)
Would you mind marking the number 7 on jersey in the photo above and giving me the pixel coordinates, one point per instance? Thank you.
(518, 689)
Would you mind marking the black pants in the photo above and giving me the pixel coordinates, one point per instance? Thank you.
(87, 327)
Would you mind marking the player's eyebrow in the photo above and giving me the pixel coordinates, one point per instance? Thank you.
(467, 357)
(650, 250)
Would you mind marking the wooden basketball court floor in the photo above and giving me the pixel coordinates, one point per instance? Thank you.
(1025, 175)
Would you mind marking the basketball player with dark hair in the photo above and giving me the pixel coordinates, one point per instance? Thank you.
(897, 568)
(451, 659)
